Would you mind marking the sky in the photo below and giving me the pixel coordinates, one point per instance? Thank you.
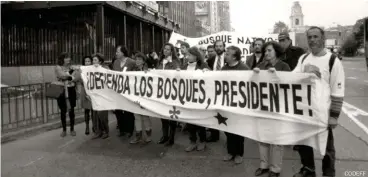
(259, 16)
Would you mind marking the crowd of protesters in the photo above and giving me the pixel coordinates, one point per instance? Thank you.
(272, 56)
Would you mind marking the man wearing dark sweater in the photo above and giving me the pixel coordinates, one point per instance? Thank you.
(291, 54)
(235, 143)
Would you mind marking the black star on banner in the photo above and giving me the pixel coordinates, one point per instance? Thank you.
(139, 104)
(174, 113)
(221, 119)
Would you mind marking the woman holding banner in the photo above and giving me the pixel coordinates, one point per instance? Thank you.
(101, 117)
(271, 155)
(168, 61)
(85, 100)
(195, 62)
(68, 99)
(141, 121)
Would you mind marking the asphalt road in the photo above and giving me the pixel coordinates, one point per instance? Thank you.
(47, 154)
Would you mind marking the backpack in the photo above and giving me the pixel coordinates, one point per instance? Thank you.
(330, 63)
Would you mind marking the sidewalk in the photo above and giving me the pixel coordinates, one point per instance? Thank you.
(47, 154)
(34, 130)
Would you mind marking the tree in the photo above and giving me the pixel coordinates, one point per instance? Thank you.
(358, 31)
(350, 45)
(280, 27)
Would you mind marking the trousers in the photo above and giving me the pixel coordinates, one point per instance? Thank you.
(142, 121)
(271, 156)
(234, 144)
(328, 161)
(194, 130)
(125, 121)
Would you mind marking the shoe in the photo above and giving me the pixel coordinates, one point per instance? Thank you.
(228, 157)
(148, 138)
(273, 174)
(191, 147)
(137, 138)
(104, 136)
(73, 133)
(201, 146)
(238, 159)
(304, 172)
(63, 134)
(87, 131)
(96, 136)
(261, 171)
(163, 140)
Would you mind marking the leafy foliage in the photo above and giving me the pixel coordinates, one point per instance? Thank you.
(280, 27)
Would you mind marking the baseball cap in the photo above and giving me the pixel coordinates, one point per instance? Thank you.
(284, 35)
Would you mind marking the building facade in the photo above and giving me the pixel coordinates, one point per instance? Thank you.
(212, 17)
(224, 15)
(182, 12)
(34, 33)
(335, 35)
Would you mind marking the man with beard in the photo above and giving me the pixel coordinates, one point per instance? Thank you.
(125, 118)
(291, 53)
(255, 59)
(215, 64)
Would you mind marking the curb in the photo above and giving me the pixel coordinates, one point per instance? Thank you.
(12, 136)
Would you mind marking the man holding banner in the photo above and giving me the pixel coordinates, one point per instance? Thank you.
(235, 143)
(216, 63)
(331, 72)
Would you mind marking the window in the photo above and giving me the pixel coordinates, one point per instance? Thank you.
(296, 21)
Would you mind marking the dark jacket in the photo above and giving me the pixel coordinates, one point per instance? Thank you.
(211, 62)
(251, 61)
(279, 66)
(239, 66)
(151, 62)
(202, 66)
(291, 56)
(183, 61)
(130, 64)
(136, 68)
(173, 65)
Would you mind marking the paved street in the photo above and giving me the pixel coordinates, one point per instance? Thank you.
(47, 154)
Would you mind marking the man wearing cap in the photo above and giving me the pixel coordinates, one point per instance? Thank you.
(256, 58)
(291, 53)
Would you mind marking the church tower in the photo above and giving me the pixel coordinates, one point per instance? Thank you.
(296, 17)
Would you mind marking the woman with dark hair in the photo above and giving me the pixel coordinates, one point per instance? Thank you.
(141, 120)
(168, 61)
(271, 155)
(125, 118)
(102, 117)
(67, 100)
(195, 62)
(85, 100)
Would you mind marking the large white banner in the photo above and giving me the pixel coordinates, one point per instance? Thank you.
(230, 38)
(280, 108)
